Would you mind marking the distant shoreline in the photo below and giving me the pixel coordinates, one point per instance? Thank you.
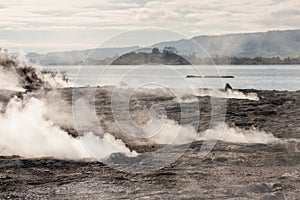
(174, 59)
(86, 64)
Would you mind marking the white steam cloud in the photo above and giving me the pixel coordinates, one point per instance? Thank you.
(229, 94)
(26, 124)
(9, 81)
(56, 81)
(237, 135)
(160, 131)
(31, 127)
(18, 74)
(173, 133)
(24, 131)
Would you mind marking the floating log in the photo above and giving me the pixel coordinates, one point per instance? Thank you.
(194, 76)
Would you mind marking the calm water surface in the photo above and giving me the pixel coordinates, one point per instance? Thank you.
(269, 77)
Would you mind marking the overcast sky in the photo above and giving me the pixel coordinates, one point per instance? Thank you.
(50, 25)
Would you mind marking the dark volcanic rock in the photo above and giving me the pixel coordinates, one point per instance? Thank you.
(274, 196)
(259, 188)
(229, 171)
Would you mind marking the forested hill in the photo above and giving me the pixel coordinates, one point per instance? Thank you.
(268, 44)
(155, 57)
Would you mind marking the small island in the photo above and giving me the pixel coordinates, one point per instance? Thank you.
(168, 56)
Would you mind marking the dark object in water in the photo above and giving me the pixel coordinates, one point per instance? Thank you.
(228, 87)
(194, 76)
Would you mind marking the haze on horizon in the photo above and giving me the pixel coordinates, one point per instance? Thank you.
(52, 25)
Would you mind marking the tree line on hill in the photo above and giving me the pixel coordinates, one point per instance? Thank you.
(169, 55)
(243, 60)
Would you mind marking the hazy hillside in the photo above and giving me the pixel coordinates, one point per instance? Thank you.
(75, 57)
(269, 44)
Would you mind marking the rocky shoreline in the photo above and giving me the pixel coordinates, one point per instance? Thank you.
(229, 171)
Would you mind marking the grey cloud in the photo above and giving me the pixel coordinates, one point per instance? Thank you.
(286, 12)
(192, 17)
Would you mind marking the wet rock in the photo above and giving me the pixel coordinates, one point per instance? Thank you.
(274, 196)
(241, 193)
(228, 87)
(221, 159)
(259, 188)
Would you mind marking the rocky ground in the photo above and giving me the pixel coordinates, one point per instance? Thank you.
(229, 171)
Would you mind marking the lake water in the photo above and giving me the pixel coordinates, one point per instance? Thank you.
(269, 77)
